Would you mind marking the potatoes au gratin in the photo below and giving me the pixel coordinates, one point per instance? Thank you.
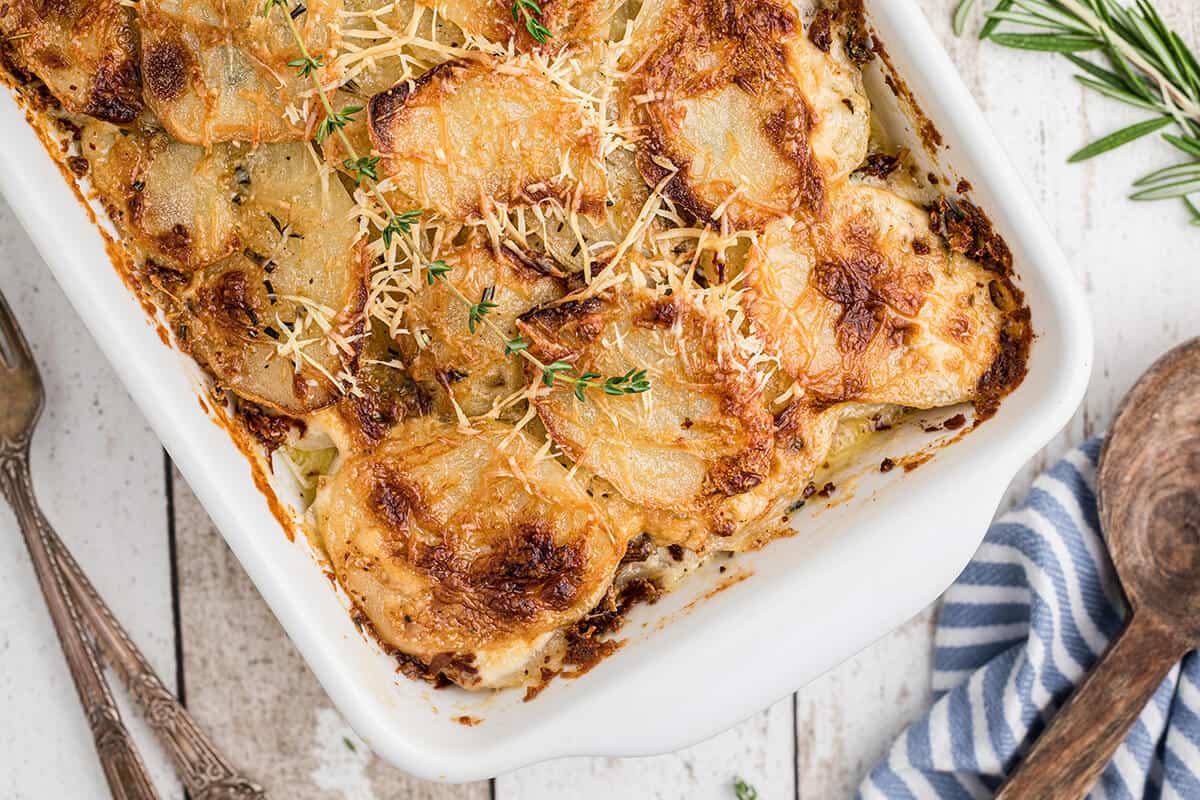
(544, 304)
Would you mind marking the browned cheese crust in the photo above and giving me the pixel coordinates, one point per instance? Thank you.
(218, 71)
(755, 118)
(455, 365)
(471, 133)
(467, 551)
(699, 436)
(870, 304)
(85, 51)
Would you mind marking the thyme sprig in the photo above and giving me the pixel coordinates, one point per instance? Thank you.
(364, 170)
(529, 12)
(1145, 64)
(335, 121)
(632, 382)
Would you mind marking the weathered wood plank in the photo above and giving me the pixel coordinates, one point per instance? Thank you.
(847, 719)
(760, 750)
(250, 689)
(98, 470)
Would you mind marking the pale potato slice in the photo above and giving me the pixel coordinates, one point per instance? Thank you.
(568, 21)
(871, 305)
(471, 132)
(217, 71)
(756, 119)
(587, 245)
(85, 51)
(699, 435)
(440, 348)
(372, 62)
(467, 551)
(304, 270)
(173, 200)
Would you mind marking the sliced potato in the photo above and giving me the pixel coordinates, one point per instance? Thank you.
(756, 119)
(217, 71)
(384, 395)
(85, 51)
(804, 435)
(588, 245)
(467, 551)
(870, 305)
(175, 201)
(471, 132)
(699, 435)
(440, 348)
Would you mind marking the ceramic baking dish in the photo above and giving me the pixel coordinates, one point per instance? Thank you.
(723, 645)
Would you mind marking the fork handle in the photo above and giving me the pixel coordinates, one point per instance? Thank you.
(123, 766)
(204, 772)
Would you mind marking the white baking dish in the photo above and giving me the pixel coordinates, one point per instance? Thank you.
(689, 669)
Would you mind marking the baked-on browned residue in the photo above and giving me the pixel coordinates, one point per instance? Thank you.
(520, 576)
(269, 430)
(865, 289)
(167, 64)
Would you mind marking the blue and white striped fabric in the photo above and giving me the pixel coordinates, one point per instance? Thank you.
(1017, 632)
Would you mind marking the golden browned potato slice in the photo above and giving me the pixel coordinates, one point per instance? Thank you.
(471, 132)
(85, 51)
(870, 304)
(805, 433)
(467, 551)
(173, 200)
(756, 119)
(440, 348)
(586, 244)
(699, 435)
(384, 394)
(566, 20)
(217, 71)
(384, 42)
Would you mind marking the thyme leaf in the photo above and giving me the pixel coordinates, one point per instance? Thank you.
(529, 12)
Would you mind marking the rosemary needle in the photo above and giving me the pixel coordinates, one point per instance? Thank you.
(1137, 60)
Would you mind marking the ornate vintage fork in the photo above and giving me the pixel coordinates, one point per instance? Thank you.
(76, 609)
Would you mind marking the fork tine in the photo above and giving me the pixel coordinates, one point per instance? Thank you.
(10, 333)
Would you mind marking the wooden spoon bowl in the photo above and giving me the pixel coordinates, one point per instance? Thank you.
(1149, 494)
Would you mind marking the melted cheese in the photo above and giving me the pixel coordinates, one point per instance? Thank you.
(468, 551)
(870, 305)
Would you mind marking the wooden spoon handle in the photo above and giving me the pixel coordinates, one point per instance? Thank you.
(1069, 756)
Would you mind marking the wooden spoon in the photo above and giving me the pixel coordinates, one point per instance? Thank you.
(1149, 492)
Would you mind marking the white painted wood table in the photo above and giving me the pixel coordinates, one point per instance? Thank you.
(131, 520)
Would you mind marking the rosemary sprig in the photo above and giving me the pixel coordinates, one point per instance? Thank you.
(1145, 64)
(364, 170)
(530, 12)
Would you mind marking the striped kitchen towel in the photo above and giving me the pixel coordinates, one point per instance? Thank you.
(1016, 633)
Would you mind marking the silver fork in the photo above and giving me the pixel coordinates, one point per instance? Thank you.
(76, 609)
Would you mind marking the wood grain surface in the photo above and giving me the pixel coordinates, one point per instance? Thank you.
(154, 555)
